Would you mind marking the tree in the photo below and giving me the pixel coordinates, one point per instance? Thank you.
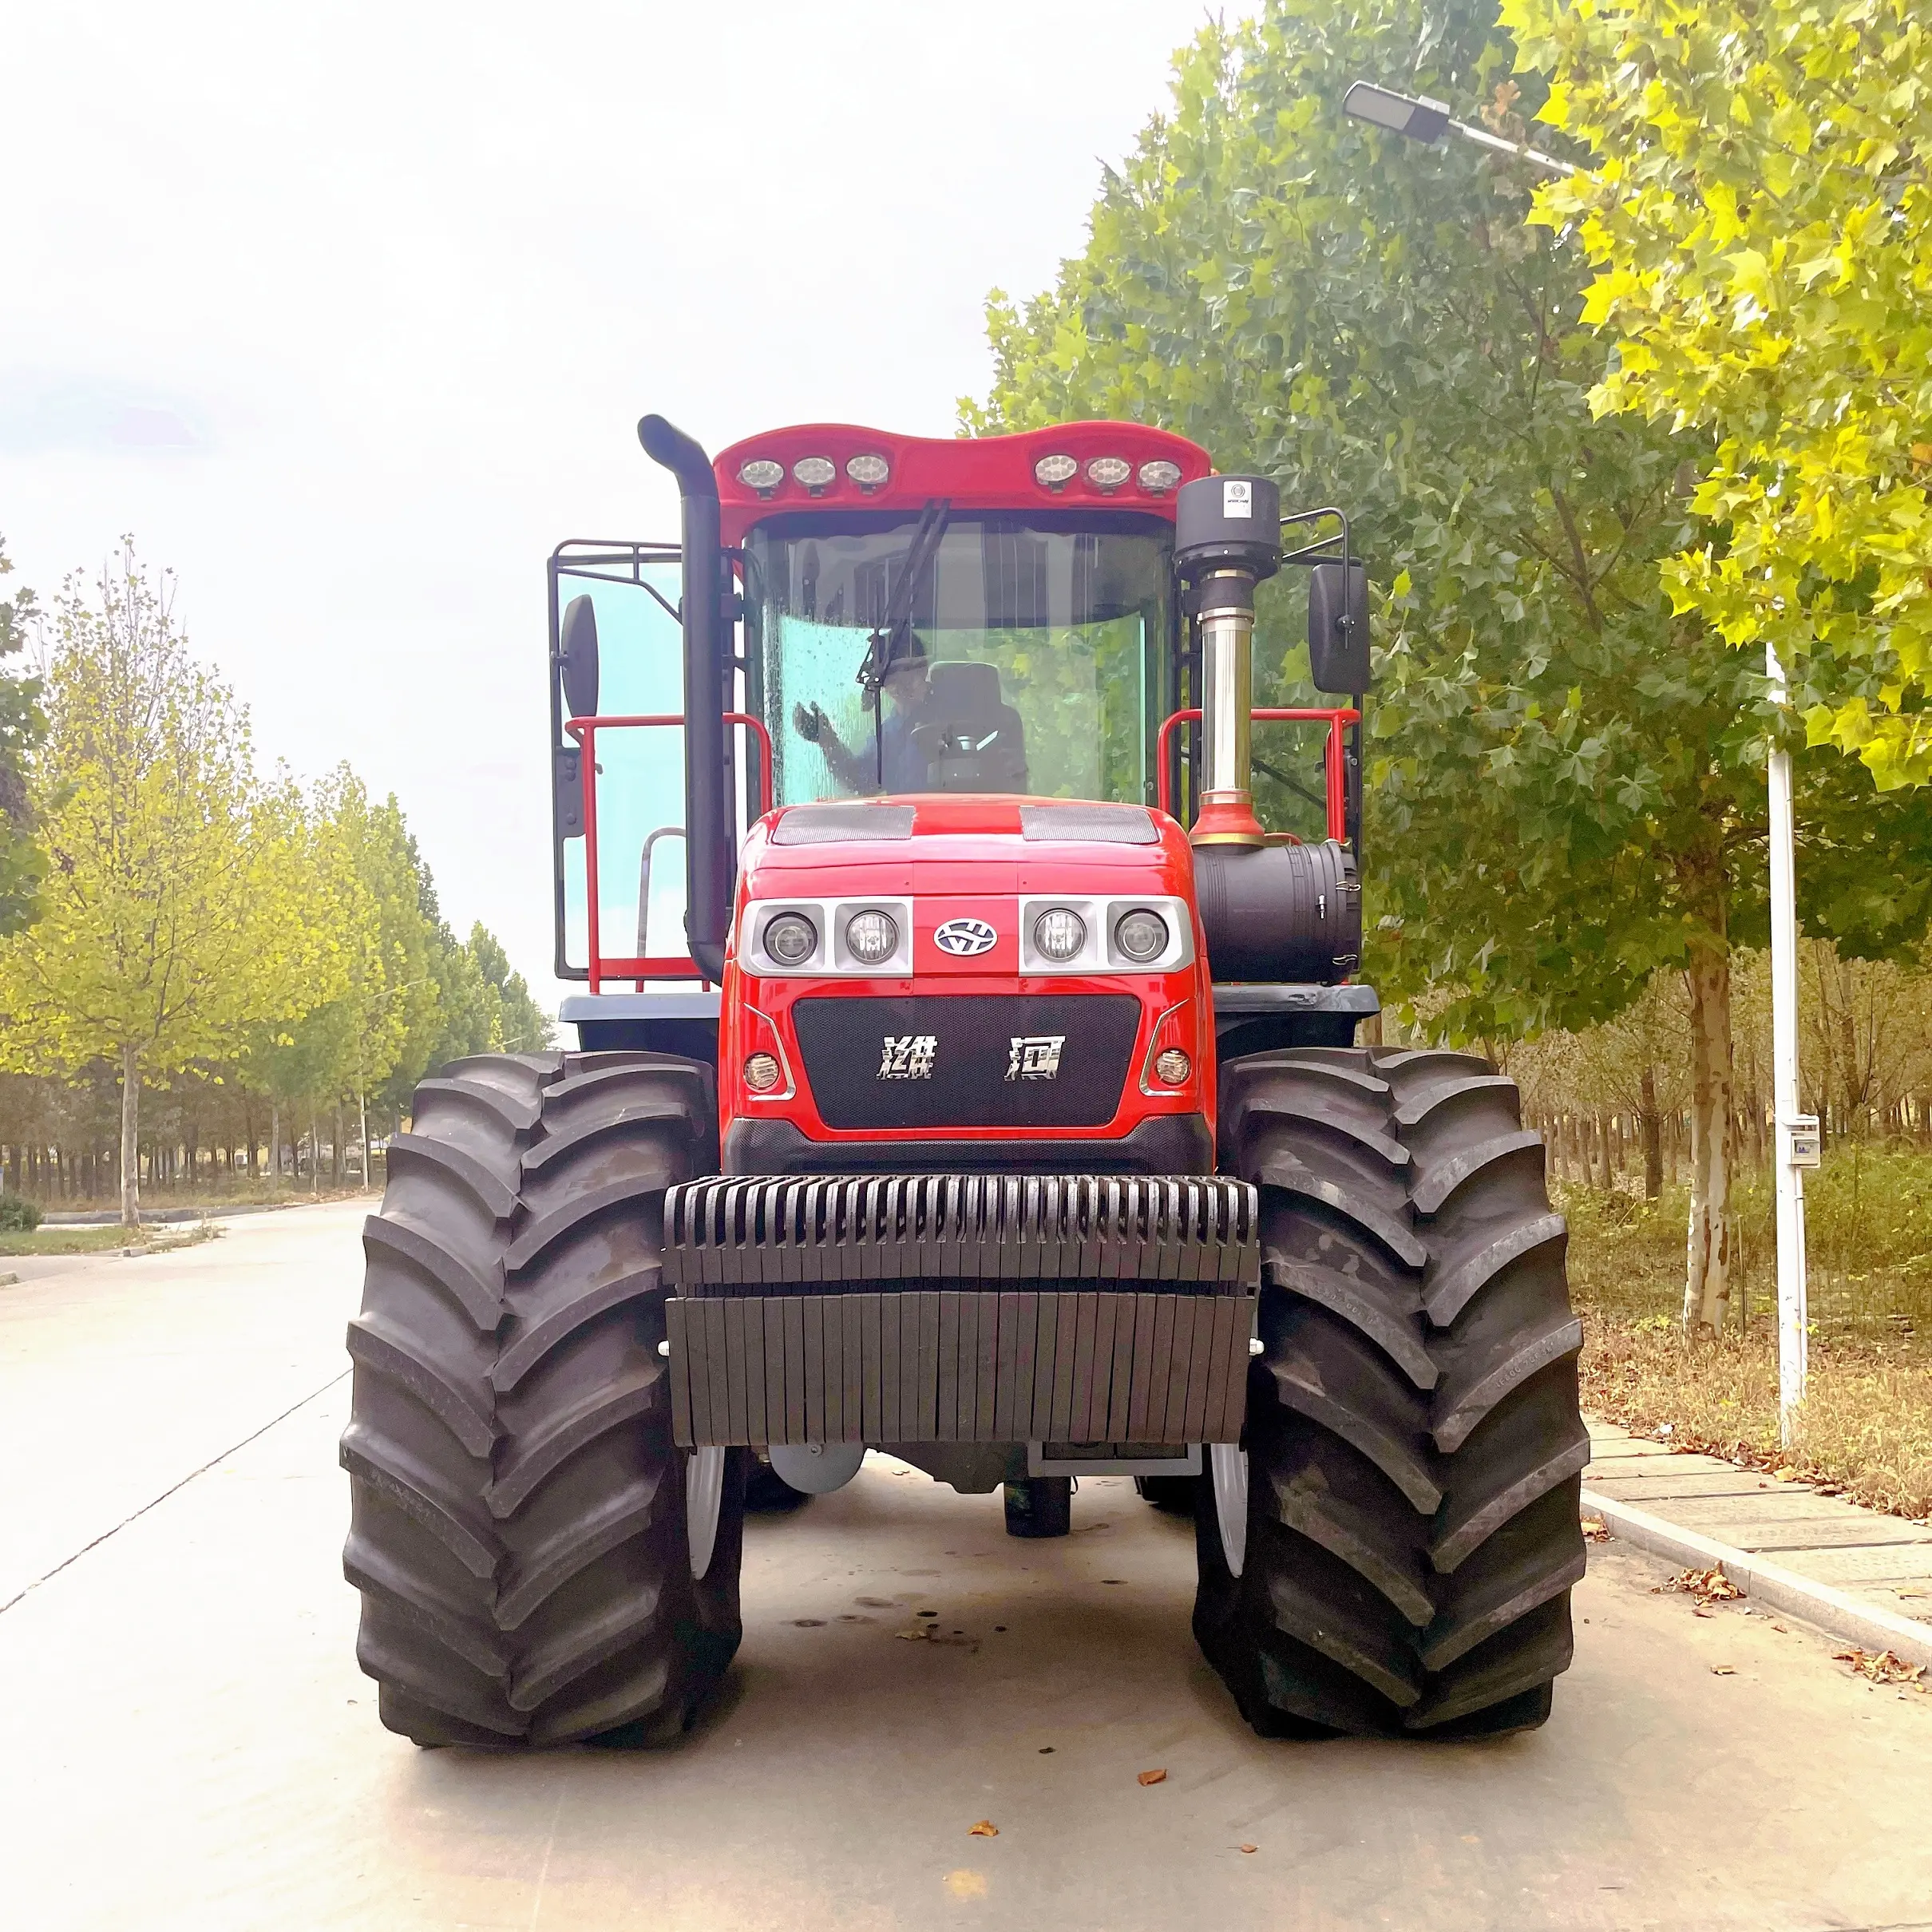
(22, 862)
(1760, 216)
(1568, 774)
(175, 909)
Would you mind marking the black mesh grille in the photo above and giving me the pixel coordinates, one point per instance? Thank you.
(993, 1061)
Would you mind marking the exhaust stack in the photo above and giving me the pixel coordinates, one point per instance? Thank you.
(1227, 539)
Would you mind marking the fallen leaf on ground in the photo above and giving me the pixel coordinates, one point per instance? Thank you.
(1153, 1777)
(1251, 1847)
(1882, 1667)
(985, 1828)
(1723, 1670)
(1595, 1529)
(919, 1633)
(1707, 1585)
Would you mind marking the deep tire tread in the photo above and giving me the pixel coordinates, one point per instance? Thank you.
(1414, 1439)
(518, 1529)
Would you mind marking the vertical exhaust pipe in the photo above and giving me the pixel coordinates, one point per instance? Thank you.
(709, 859)
(1227, 538)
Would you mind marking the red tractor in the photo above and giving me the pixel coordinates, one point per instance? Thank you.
(995, 1104)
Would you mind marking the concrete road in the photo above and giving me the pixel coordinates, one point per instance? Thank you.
(187, 1742)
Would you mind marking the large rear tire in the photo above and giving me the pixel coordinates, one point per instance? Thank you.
(1413, 1447)
(518, 1528)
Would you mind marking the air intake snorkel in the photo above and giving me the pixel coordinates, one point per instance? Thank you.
(708, 821)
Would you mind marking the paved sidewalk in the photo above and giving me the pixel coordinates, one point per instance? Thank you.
(1883, 1563)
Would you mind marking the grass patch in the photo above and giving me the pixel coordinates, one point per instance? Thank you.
(1866, 1430)
(100, 1240)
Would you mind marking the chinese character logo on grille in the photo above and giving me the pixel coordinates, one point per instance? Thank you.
(1035, 1056)
(908, 1056)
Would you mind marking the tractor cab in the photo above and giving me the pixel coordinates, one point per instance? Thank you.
(907, 618)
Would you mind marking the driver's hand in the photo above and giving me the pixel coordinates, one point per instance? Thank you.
(808, 724)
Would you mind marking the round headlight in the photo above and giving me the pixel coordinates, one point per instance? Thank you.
(761, 1073)
(1141, 935)
(1172, 1067)
(869, 472)
(1054, 470)
(872, 938)
(813, 473)
(1058, 934)
(1159, 475)
(791, 939)
(1108, 472)
(760, 473)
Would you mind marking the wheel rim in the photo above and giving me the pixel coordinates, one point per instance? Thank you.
(1227, 1466)
(703, 1496)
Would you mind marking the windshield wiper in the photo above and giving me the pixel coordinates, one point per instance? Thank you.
(884, 645)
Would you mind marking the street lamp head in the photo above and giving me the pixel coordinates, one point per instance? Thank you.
(1414, 115)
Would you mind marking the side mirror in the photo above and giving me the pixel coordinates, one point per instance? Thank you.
(1338, 627)
(577, 649)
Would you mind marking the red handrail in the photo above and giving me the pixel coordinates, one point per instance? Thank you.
(1334, 762)
(584, 730)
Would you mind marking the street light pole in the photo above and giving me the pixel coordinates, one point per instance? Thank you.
(1418, 118)
(1795, 1136)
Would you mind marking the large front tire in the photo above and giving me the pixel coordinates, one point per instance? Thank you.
(1414, 1447)
(519, 1525)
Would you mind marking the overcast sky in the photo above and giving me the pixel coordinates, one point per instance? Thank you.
(348, 313)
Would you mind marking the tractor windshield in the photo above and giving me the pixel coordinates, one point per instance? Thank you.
(1038, 656)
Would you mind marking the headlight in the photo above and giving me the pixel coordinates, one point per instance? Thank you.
(791, 939)
(872, 938)
(1058, 934)
(762, 1073)
(1141, 935)
(1172, 1067)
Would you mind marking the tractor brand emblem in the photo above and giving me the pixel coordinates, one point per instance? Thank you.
(1035, 1056)
(965, 938)
(908, 1056)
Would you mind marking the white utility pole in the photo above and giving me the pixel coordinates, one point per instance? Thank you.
(1795, 1137)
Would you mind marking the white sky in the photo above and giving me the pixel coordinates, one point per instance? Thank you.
(348, 313)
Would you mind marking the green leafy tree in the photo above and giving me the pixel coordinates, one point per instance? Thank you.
(1565, 790)
(23, 861)
(1760, 216)
(175, 910)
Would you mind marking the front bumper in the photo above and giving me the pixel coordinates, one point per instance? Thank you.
(960, 1308)
(1162, 1144)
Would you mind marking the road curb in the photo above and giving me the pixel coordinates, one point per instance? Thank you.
(1769, 1585)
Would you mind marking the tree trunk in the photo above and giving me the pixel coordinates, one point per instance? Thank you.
(1606, 1181)
(130, 1144)
(314, 1152)
(1707, 1274)
(275, 1140)
(361, 1109)
(1653, 1138)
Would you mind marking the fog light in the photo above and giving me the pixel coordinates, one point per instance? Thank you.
(871, 937)
(1172, 1067)
(1141, 935)
(1108, 472)
(791, 939)
(1058, 934)
(762, 1072)
(813, 473)
(868, 472)
(760, 473)
(1055, 471)
(1159, 475)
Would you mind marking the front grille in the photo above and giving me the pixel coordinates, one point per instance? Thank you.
(969, 1060)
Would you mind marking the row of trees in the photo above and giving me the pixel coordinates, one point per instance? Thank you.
(1566, 791)
(1612, 1100)
(180, 918)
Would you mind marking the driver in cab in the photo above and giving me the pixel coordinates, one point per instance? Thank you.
(889, 759)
